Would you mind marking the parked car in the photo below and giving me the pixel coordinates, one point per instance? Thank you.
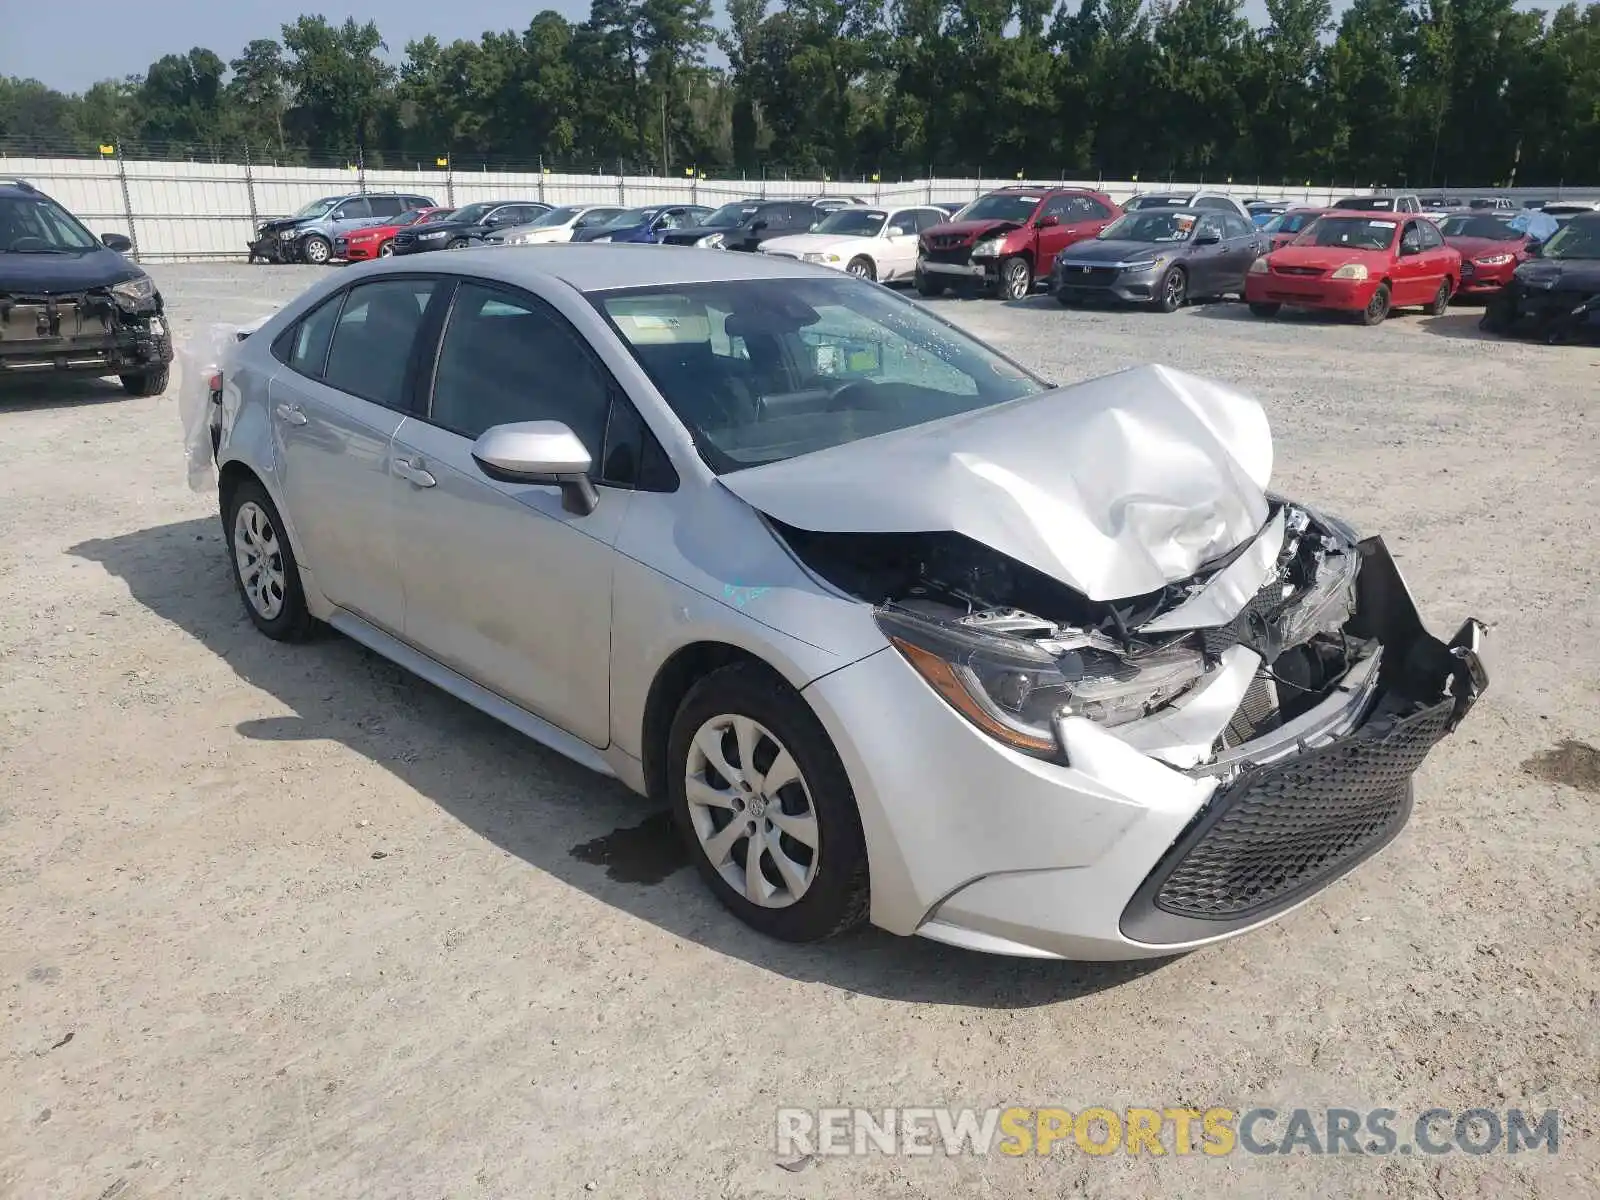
(377, 241)
(898, 631)
(1492, 203)
(71, 302)
(1262, 211)
(1490, 250)
(951, 206)
(1159, 257)
(468, 224)
(557, 225)
(873, 243)
(644, 224)
(1571, 208)
(1365, 263)
(1285, 227)
(1005, 241)
(746, 224)
(1405, 202)
(1556, 293)
(1216, 201)
(309, 235)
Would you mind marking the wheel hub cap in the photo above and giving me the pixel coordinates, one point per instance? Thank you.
(751, 810)
(258, 556)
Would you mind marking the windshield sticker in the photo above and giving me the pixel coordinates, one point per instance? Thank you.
(1381, 224)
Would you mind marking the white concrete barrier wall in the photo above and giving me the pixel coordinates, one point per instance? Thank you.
(176, 211)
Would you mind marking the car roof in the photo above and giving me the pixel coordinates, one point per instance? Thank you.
(600, 267)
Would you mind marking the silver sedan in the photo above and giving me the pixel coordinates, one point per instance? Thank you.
(898, 630)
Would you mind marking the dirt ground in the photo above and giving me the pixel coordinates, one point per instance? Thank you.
(285, 922)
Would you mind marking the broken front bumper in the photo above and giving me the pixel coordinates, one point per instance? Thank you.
(1116, 854)
(271, 248)
(83, 334)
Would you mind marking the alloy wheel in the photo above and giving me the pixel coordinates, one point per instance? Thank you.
(258, 554)
(386, 250)
(752, 810)
(1018, 279)
(1172, 290)
(860, 268)
(316, 251)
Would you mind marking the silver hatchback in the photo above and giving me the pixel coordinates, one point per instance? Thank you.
(898, 630)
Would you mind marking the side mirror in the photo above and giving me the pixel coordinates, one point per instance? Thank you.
(1206, 239)
(117, 242)
(1409, 248)
(1046, 222)
(545, 452)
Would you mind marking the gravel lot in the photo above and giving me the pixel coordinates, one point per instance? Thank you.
(283, 921)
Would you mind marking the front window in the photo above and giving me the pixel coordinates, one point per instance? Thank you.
(630, 217)
(1494, 229)
(1353, 233)
(564, 215)
(1289, 222)
(318, 207)
(852, 222)
(730, 214)
(38, 226)
(471, 214)
(1000, 206)
(1575, 239)
(1149, 227)
(761, 370)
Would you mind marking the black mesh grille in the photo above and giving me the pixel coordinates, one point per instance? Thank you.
(959, 255)
(1089, 277)
(1257, 712)
(1278, 831)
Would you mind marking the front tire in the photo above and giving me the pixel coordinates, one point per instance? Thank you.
(146, 383)
(1265, 309)
(862, 268)
(1377, 308)
(1172, 291)
(928, 287)
(264, 569)
(765, 807)
(458, 243)
(1016, 278)
(316, 250)
(386, 250)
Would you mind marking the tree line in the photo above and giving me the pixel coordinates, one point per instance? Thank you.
(1396, 92)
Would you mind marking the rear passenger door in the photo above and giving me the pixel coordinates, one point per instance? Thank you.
(350, 373)
(1243, 243)
(502, 584)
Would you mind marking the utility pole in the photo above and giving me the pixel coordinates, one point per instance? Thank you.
(664, 163)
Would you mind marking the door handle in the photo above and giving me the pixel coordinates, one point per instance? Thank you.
(290, 414)
(411, 470)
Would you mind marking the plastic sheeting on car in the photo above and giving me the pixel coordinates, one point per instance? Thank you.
(199, 358)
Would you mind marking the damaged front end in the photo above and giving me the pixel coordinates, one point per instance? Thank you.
(1293, 672)
(113, 330)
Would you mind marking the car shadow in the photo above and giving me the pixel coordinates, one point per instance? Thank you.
(25, 393)
(1459, 323)
(587, 831)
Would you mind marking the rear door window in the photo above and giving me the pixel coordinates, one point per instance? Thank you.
(386, 206)
(353, 210)
(303, 347)
(374, 337)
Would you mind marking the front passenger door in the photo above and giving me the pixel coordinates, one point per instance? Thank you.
(502, 584)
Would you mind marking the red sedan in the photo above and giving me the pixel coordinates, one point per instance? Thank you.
(377, 241)
(1490, 250)
(1287, 226)
(1366, 263)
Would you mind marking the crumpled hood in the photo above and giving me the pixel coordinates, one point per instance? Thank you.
(1116, 487)
(960, 232)
(73, 271)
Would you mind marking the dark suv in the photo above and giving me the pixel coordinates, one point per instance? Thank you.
(745, 224)
(71, 302)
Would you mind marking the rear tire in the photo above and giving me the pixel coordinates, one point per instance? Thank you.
(928, 287)
(1265, 310)
(818, 802)
(316, 250)
(1377, 309)
(146, 383)
(272, 595)
(1441, 300)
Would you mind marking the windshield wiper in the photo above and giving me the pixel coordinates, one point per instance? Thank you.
(41, 250)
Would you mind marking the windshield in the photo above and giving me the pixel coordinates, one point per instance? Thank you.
(438, 214)
(999, 206)
(1575, 239)
(1289, 222)
(471, 214)
(317, 207)
(1496, 229)
(761, 370)
(629, 217)
(853, 222)
(34, 225)
(558, 216)
(1355, 233)
(1149, 227)
(730, 214)
(1139, 202)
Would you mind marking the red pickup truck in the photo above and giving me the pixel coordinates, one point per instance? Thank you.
(1008, 240)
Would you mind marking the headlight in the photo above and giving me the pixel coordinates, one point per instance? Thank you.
(987, 248)
(1350, 271)
(819, 256)
(1145, 266)
(1259, 267)
(433, 237)
(712, 241)
(603, 238)
(133, 293)
(1014, 690)
(286, 234)
(1494, 260)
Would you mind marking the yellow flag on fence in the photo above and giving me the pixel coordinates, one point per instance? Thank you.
(875, 178)
(441, 162)
(104, 149)
(688, 172)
